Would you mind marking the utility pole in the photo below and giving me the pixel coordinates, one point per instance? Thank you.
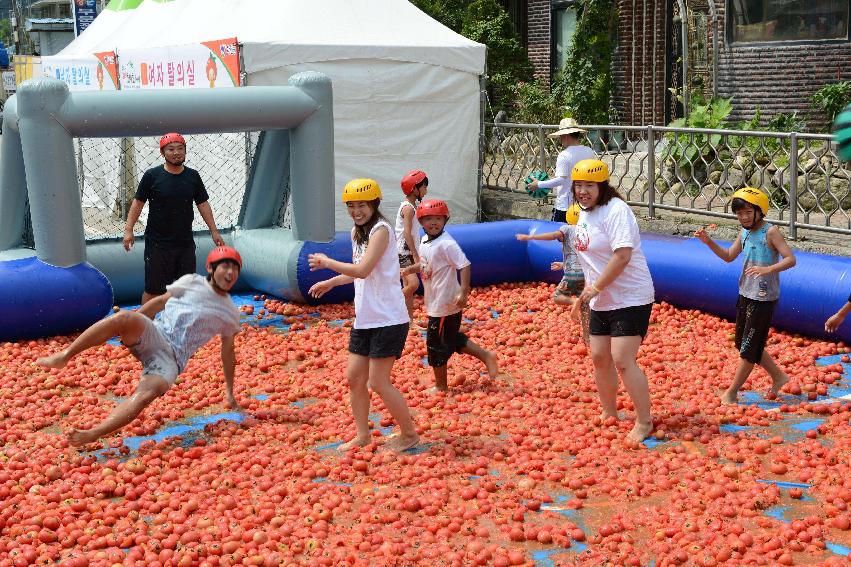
(18, 24)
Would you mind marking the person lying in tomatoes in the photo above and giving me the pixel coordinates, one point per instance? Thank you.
(194, 309)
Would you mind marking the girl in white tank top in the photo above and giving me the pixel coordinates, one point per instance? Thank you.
(414, 187)
(381, 319)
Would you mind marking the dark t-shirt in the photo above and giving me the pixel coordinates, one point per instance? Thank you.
(170, 212)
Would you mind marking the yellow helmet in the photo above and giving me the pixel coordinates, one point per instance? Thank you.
(361, 190)
(590, 170)
(572, 214)
(754, 197)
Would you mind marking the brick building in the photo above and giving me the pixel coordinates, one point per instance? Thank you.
(766, 54)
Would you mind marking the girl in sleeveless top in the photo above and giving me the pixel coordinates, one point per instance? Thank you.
(759, 286)
(414, 186)
(381, 319)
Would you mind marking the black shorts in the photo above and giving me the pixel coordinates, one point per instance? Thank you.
(406, 260)
(165, 265)
(753, 320)
(624, 322)
(444, 338)
(559, 216)
(379, 342)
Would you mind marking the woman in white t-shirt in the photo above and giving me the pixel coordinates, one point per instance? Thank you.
(381, 318)
(618, 288)
(570, 135)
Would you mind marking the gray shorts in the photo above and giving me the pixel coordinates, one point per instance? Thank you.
(155, 354)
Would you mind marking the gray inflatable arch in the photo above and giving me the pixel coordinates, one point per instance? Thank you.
(37, 165)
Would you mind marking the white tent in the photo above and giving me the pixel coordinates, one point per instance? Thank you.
(406, 88)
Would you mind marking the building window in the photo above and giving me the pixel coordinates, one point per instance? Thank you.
(788, 20)
(517, 10)
(565, 14)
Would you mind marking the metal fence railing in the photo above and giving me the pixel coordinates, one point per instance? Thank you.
(109, 170)
(691, 170)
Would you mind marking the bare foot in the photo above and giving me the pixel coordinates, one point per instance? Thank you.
(79, 437)
(729, 397)
(356, 442)
(435, 390)
(399, 442)
(492, 364)
(776, 385)
(609, 418)
(640, 431)
(56, 360)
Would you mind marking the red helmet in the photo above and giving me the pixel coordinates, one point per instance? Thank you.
(171, 137)
(412, 179)
(432, 207)
(221, 253)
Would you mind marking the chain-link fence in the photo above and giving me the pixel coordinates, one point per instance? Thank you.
(109, 170)
(693, 170)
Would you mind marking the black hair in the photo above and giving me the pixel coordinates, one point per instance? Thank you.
(738, 204)
(362, 231)
(607, 193)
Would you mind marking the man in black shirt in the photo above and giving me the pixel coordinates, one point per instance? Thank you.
(169, 246)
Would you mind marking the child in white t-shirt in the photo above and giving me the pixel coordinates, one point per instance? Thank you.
(381, 323)
(445, 298)
(414, 186)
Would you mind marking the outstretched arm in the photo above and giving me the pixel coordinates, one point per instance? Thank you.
(228, 368)
(838, 318)
(319, 289)
(556, 235)
(726, 254)
(378, 243)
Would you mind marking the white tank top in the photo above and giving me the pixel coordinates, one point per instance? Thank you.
(378, 297)
(401, 245)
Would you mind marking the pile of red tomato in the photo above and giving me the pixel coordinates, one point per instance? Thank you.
(510, 471)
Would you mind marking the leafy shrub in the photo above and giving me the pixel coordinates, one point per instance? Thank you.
(485, 21)
(831, 99)
(686, 149)
(585, 86)
(535, 104)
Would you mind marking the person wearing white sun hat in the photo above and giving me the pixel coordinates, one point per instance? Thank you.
(570, 135)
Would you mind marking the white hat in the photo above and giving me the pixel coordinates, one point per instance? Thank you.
(567, 126)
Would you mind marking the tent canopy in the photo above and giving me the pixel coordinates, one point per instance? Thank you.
(406, 88)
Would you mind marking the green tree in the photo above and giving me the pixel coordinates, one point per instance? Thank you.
(6, 32)
(487, 22)
(450, 13)
(585, 86)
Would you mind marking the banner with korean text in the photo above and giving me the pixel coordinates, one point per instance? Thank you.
(206, 65)
(96, 73)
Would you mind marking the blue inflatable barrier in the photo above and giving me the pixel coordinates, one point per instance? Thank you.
(40, 300)
(685, 273)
